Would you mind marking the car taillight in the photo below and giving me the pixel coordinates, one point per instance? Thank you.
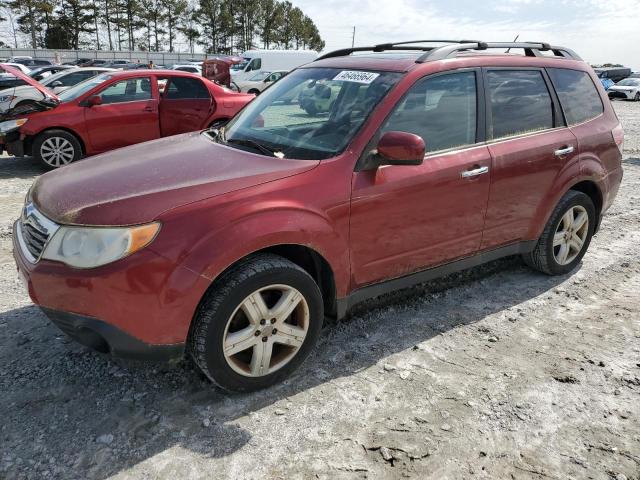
(618, 137)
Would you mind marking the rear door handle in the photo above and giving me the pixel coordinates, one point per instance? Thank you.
(563, 151)
(475, 172)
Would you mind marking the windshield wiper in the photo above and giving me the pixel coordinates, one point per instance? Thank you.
(255, 145)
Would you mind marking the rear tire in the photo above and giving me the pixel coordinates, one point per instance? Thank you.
(56, 148)
(566, 236)
(257, 323)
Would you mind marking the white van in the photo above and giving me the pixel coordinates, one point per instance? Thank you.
(256, 61)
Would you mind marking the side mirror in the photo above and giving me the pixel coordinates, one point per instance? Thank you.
(93, 101)
(56, 84)
(401, 148)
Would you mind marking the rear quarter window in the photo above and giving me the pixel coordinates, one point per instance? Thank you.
(578, 95)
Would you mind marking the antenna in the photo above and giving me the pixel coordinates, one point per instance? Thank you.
(514, 41)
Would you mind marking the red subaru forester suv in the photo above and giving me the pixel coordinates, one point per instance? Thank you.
(233, 244)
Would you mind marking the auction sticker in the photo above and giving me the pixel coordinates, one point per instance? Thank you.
(356, 76)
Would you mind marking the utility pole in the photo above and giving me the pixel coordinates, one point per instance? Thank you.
(353, 37)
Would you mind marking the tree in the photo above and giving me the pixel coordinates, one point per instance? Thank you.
(174, 10)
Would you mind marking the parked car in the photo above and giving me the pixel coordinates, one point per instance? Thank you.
(120, 108)
(116, 63)
(8, 80)
(58, 83)
(40, 73)
(607, 83)
(97, 62)
(614, 73)
(234, 244)
(78, 61)
(192, 68)
(33, 62)
(260, 81)
(628, 89)
(256, 61)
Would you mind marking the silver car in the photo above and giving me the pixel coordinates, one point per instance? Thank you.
(59, 82)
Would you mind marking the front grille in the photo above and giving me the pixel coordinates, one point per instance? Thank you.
(34, 232)
(34, 239)
(615, 94)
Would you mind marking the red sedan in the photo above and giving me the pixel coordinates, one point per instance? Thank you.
(116, 109)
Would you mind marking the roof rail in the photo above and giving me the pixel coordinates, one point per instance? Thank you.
(441, 52)
(531, 49)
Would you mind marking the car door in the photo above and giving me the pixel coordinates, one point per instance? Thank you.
(409, 218)
(185, 105)
(529, 146)
(128, 114)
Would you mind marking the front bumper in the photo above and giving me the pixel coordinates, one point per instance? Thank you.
(105, 338)
(627, 95)
(138, 307)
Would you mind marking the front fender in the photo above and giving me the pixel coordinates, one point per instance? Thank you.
(212, 246)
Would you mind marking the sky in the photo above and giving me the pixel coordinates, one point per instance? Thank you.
(599, 31)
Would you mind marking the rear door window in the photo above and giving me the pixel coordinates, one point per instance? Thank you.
(181, 88)
(441, 110)
(520, 103)
(577, 93)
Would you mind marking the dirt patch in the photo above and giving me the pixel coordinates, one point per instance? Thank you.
(497, 373)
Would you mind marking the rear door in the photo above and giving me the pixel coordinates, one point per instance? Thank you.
(529, 144)
(128, 114)
(185, 105)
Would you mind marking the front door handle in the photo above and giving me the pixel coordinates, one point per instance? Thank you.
(563, 151)
(148, 109)
(475, 172)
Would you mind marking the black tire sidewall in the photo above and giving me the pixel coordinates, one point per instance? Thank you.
(576, 199)
(40, 139)
(217, 365)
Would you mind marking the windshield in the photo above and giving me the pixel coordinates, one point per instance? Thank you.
(311, 114)
(629, 82)
(258, 77)
(83, 87)
(52, 78)
(240, 66)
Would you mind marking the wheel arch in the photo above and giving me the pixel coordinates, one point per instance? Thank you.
(592, 190)
(30, 139)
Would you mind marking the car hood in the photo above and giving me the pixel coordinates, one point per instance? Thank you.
(623, 88)
(137, 184)
(17, 73)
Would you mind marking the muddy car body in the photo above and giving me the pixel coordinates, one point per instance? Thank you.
(234, 244)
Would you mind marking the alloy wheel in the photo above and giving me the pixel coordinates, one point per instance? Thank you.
(570, 235)
(57, 151)
(266, 330)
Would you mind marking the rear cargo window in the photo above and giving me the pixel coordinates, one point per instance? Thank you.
(578, 95)
(520, 102)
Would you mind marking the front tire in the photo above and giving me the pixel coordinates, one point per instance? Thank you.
(257, 323)
(56, 148)
(637, 97)
(566, 236)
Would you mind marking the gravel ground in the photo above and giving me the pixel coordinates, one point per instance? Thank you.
(497, 373)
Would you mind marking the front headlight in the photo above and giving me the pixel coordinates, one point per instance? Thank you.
(6, 98)
(89, 247)
(10, 125)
